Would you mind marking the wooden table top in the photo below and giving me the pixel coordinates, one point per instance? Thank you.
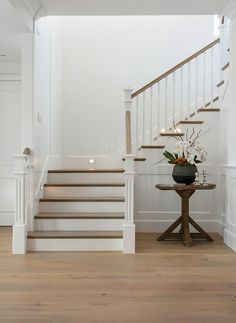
(183, 187)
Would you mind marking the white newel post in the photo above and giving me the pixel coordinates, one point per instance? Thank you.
(19, 239)
(129, 226)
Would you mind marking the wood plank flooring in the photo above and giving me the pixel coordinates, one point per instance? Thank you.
(164, 282)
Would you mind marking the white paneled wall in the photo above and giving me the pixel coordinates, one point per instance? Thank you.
(9, 141)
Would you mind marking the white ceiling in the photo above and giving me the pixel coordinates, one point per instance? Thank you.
(11, 26)
(133, 7)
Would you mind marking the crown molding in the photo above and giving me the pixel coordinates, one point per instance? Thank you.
(230, 9)
(29, 11)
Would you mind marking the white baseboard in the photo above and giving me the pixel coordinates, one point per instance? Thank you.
(161, 225)
(230, 239)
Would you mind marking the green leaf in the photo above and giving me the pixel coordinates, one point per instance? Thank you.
(169, 156)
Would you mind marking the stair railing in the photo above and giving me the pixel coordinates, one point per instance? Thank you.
(174, 96)
(24, 201)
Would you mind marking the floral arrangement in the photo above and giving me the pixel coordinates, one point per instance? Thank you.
(188, 151)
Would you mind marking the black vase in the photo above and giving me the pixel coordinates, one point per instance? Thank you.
(184, 174)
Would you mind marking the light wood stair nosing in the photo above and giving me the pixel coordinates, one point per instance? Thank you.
(75, 235)
(90, 171)
(190, 122)
(86, 216)
(171, 134)
(137, 159)
(82, 199)
(85, 185)
(152, 147)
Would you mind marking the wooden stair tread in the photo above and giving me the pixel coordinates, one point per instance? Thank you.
(209, 103)
(83, 199)
(94, 216)
(209, 110)
(152, 146)
(220, 83)
(190, 122)
(225, 66)
(74, 171)
(75, 234)
(137, 159)
(86, 185)
(171, 134)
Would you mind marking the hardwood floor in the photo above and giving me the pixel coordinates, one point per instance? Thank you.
(164, 282)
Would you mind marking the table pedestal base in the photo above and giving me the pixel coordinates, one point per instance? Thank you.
(184, 233)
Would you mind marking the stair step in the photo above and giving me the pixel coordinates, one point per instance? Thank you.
(137, 159)
(209, 103)
(171, 134)
(80, 216)
(220, 84)
(190, 122)
(91, 171)
(83, 199)
(225, 67)
(75, 240)
(209, 110)
(152, 146)
(96, 221)
(86, 177)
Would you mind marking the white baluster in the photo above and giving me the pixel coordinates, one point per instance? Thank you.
(158, 109)
(137, 121)
(129, 226)
(166, 103)
(189, 89)
(181, 94)
(196, 88)
(19, 239)
(173, 99)
(212, 76)
(150, 121)
(144, 113)
(204, 81)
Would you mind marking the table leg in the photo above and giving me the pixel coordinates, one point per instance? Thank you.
(199, 229)
(185, 195)
(171, 228)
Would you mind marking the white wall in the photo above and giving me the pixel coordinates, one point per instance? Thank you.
(48, 100)
(101, 56)
(106, 55)
(41, 115)
(229, 166)
(9, 137)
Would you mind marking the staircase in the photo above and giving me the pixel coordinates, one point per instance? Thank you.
(80, 210)
(93, 209)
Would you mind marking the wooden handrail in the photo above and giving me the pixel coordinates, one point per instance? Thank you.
(176, 67)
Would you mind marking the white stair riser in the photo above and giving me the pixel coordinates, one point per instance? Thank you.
(83, 191)
(115, 244)
(79, 224)
(64, 207)
(75, 178)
